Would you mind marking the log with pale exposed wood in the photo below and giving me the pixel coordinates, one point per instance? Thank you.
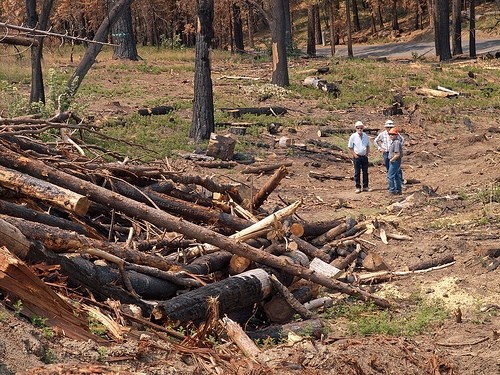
(157, 217)
(328, 132)
(322, 85)
(45, 191)
(437, 261)
(12, 238)
(311, 328)
(269, 186)
(160, 110)
(238, 264)
(265, 168)
(24, 212)
(220, 147)
(269, 111)
(290, 299)
(20, 283)
(315, 229)
(431, 92)
(240, 338)
(329, 235)
(279, 311)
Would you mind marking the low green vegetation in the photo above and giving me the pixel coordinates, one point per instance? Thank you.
(96, 327)
(39, 322)
(365, 319)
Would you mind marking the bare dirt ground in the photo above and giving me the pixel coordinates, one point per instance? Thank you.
(445, 159)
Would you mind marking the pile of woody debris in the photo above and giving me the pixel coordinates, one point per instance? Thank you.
(141, 243)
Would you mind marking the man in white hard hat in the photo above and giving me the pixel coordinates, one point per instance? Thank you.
(383, 141)
(359, 145)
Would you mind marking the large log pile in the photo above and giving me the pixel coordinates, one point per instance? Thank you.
(141, 235)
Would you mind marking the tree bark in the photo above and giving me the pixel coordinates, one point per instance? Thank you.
(269, 186)
(94, 49)
(250, 24)
(444, 30)
(122, 33)
(333, 23)
(349, 29)
(280, 63)
(171, 223)
(311, 31)
(355, 16)
(394, 11)
(456, 40)
(317, 25)
(238, 28)
(472, 29)
(202, 124)
(288, 25)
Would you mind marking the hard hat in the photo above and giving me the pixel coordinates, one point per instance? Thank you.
(358, 123)
(393, 131)
(389, 124)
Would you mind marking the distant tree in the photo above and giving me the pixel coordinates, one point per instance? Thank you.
(472, 28)
(332, 12)
(122, 33)
(441, 14)
(380, 18)
(394, 13)
(456, 39)
(311, 31)
(202, 123)
(317, 25)
(250, 24)
(355, 17)
(238, 28)
(349, 29)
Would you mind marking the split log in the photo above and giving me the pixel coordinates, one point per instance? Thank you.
(268, 111)
(310, 250)
(240, 338)
(159, 218)
(325, 269)
(233, 293)
(322, 85)
(266, 168)
(330, 235)
(160, 110)
(24, 212)
(324, 176)
(20, 283)
(19, 40)
(431, 92)
(221, 147)
(325, 144)
(46, 192)
(290, 299)
(279, 311)
(269, 186)
(306, 328)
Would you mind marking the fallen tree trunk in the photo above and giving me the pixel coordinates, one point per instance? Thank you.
(269, 186)
(157, 217)
(266, 168)
(19, 40)
(46, 192)
(330, 235)
(12, 238)
(269, 111)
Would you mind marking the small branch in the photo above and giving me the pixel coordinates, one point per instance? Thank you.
(290, 299)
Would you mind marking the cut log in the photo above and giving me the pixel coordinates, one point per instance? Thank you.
(374, 262)
(269, 186)
(221, 147)
(330, 235)
(343, 263)
(306, 328)
(325, 144)
(238, 264)
(324, 176)
(157, 217)
(46, 192)
(217, 164)
(438, 261)
(435, 93)
(19, 282)
(24, 212)
(322, 85)
(310, 250)
(317, 265)
(318, 228)
(290, 299)
(233, 293)
(269, 111)
(266, 168)
(237, 130)
(279, 311)
(240, 338)
(314, 70)
(209, 263)
(12, 238)
(160, 110)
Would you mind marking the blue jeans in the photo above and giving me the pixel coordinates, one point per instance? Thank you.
(393, 176)
(387, 162)
(361, 164)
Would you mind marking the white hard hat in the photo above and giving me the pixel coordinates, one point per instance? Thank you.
(389, 124)
(358, 123)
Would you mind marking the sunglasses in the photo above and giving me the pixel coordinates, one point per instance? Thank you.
(359, 127)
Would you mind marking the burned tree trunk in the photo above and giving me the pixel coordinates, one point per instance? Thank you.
(311, 37)
(456, 39)
(122, 33)
(238, 28)
(280, 64)
(202, 124)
